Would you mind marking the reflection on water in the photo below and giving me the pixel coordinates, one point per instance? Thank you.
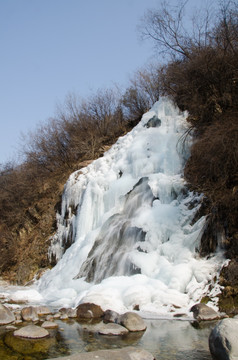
(165, 339)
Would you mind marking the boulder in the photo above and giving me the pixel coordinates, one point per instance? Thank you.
(111, 316)
(132, 321)
(43, 310)
(49, 325)
(31, 332)
(29, 313)
(203, 312)
(6, 316)
(127, 353)
(223, 340)
(89, 311)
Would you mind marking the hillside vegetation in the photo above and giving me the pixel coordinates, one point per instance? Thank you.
(200, 75)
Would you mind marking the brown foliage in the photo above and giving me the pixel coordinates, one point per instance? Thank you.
(213, 170)
(216, 156)
(143, 92)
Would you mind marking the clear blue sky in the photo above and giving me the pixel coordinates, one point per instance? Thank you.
(50, 48)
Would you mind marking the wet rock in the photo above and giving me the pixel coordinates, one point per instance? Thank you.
(132, 321)
(89, 311)
(203, 312)
(223, 340)
(31, 332)
(111, 316)
(49, 325)
(127, 353)
(29, 313)
(6, 316)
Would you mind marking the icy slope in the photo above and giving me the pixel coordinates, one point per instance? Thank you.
(127, 220)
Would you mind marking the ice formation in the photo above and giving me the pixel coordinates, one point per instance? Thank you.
(127, 221)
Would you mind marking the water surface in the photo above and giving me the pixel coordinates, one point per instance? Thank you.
(165, 339)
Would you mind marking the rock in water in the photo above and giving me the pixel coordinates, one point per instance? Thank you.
(106, 329)
(31, 332)
(6, 316)
(132, 321)
(223, 340)
(203, 312)
(43, 310)
(112, 329)
(49, 325)
(89, 311)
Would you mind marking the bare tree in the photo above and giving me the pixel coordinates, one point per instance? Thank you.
(101, 108)
(143, 92)
(171, 31)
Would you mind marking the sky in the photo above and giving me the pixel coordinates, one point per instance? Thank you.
(50, 48)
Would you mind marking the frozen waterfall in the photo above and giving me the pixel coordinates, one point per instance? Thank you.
(128, 223)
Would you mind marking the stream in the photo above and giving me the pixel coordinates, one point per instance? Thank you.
(165, 339)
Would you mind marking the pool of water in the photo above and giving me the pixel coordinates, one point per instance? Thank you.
(165, 339)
